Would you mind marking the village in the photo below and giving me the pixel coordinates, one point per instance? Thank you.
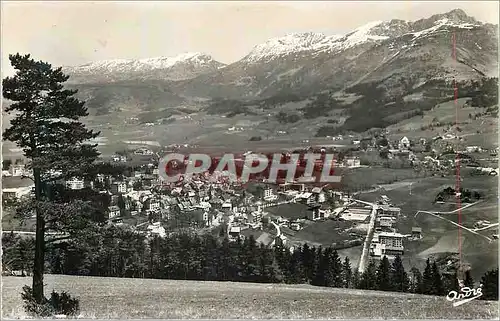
(270, 212)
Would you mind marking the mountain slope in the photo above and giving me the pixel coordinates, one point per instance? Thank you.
(311, 62)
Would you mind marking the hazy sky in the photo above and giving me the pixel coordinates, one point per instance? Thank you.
(72, 33)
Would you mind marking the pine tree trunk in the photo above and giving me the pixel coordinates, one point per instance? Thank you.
(38, 265)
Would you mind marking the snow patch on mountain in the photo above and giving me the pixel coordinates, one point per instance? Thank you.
(361, 35)
(442, 23)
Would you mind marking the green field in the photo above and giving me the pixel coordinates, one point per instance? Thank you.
(167, 299)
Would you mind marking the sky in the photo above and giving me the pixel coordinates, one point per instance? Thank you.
(73, 33)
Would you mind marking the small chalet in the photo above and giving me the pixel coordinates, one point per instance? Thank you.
(404, 143)
(113, 212)
(416, 233)
(119, 188)
(234, 232)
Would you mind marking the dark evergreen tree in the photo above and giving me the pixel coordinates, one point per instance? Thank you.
(347, 274)
(450, 282)
(398, 276)
(319, 278)
(335, 267)
(417, 282)
(437, 281)
(226, 261)
(269, 271)
(468, 281)
(489, 283)
(210, 262)
(427, 279)
(356, 279)
(383, 277)
(308, 262)
(328, 267)
(250, 270)
(368, 279)
(46, 126)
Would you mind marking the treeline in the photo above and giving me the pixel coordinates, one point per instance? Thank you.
(118, 251)
(466, 195)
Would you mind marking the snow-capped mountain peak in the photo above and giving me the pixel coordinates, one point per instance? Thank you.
(182, 66)
(147, 63)
(314, 42)
(291, 43)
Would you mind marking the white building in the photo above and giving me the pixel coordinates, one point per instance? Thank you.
(17, 170)
(404, 143)
(473, 149)
(356, 214)
(387, 210)
(119, 187)
(143, 151)
(16, 193)
(119, 158)
(227, 206)
(352, 162)
(387, 244)
(113, 211)
(156, 229)
(75, 183)
(386, 221)
(269, 195)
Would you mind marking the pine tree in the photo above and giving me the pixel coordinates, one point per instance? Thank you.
(437, 281)
(336, 269)
(46, 127)
(226, 271)
(268, 268)
(308, 262)
(417, 284)
(398, 276)
(450, 282)
(282, 257)
(319, 278)
(383, 277)
(356, 279)
(295, 268)
(347, 274)
(368, 279)
(468, 282)
(427, 278)
(251, 264)
(328, 268)
(489, 283)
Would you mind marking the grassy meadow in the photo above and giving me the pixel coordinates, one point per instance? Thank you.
(145, 298)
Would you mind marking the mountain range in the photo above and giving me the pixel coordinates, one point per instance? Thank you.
(397, 61)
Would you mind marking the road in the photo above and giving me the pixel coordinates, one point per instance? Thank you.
(486, 227)
(369, 236)
(458, 209)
